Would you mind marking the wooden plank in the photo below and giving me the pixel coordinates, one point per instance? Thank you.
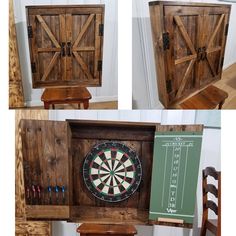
(216, 31)
(48, 50)
(185, 78)
(29, 228)
(48, 31)
(83, 30)
(50, 66)
(184, 59)
(185, 34)
(47, 212)
(82, 49)
(20, 189)
(86, 214)
(156, 15)
(83, 65)
(16, 95)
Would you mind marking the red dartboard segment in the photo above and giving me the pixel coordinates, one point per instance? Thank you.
(112, 171)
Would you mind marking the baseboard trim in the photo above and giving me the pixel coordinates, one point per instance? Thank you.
(37, 103)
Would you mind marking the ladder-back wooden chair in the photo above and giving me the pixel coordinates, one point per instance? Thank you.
(208, 224)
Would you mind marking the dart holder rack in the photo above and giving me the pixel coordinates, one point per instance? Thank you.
(53, 155)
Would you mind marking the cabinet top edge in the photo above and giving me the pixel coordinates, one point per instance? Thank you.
(66, 6)
(176, 3)
(112, 123)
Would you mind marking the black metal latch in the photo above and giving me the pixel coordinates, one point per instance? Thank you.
(30, 32)
(201, 54)
(33, 67)
(168, 86)
(101, 29)
(99, 66)
(166, 41)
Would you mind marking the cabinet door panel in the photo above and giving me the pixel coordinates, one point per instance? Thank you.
(86, 47)
(194, 48)
(46, 162)
(45, 44)
(66, 45)
(182, 54)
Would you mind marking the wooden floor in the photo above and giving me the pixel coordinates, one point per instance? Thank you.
(95, 105)
(228, 84)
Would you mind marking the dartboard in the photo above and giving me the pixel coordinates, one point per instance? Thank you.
(112, 171)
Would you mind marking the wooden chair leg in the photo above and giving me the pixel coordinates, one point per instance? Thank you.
(46, 105)
(53, 106)
(86, 104)
(79, 105)
(221, 104)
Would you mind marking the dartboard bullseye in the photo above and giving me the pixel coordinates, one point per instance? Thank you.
(112, 171)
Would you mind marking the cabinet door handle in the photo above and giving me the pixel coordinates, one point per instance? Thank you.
(63, 52)
(68, 49)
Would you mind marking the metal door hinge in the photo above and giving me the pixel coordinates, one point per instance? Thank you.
(226, 29)
(166, 41)
(99, 66)
(33, 67)
(222, 62)
(168, 86)
(101, 29)
(30, 32)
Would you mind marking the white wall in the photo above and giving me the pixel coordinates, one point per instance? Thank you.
(144, 76)
(109, 89)
(210, 156)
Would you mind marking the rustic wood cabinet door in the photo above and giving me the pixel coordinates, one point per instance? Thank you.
(66, 45)
(197, 40)
(84, 46)
(46, 163)
(189, 43)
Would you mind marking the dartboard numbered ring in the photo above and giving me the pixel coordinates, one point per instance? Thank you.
(112, 171)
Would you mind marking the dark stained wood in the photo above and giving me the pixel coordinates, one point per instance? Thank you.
(46, 159)
(108, 215)
(23, 227)
(208, 98)
(207, 224)
(66, 45)
(53, 96)
(47, 212)
(56, 151)
(138, 136)
(193, 59)
(106, 229)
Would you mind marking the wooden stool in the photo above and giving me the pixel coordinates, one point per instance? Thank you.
(208, 98)
(104, 229)
(52, 96)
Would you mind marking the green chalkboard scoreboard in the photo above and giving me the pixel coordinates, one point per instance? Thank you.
(174, 177)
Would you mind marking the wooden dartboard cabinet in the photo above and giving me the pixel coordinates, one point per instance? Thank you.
(189, 44)
(54, 153)
(66, 45)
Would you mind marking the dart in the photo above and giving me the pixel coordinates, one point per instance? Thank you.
(34, 194)
(50, 194)
(63, 194)
(28, 193)
(39, 193)
(57, 191)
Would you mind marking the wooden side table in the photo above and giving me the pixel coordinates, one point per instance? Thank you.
(53, 96)
(208, 98)
(106, 229)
